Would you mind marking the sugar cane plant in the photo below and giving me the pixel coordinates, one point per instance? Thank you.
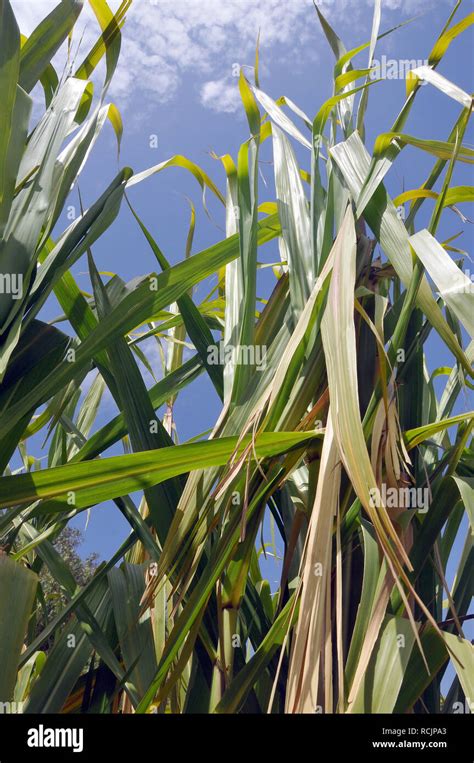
(330, 423)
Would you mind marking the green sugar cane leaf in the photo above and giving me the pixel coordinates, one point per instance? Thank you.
(279, 117)
(466, 490)
(17, 592)
(78, 313)
(75, 241)
(81, 596)
(27, 674)
(72, 160)
(151, 295)
(45, 40)
(68, 657)
(439, 148)
(348, 77)
(177, 335)
(192, 611)
(416, 678)
(111, 37)
(195, 324)
(380, 213)
(96, 481)
(248, 676)
(115, 429)
(41, 346)
(247, 222)
(337, 46)
(295, 221)
(107, 43)
(50, 83)
(414, 437)
(9, 69)
(454, 195)
(386, 669)
(61, 572)
(324, 112)
(462, 655)
(454, 286)
(30, 210)
(180, 161)
(447, 37)
(373, 42)
(234, 286)
(379, 167)
(250, 105)
(115, 119)
(347, 57)
(367, 598)
(145, 429)
(427, 74)
(339, 342)
(89, 409)
(135, 634)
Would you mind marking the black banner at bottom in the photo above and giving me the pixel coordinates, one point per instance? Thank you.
(120, 737)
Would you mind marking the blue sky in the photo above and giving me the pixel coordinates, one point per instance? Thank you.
(176, 80)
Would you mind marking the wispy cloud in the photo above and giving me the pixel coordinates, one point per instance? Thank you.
(221, 95)
(167, 40)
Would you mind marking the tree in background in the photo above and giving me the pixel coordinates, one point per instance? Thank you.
(67, 545)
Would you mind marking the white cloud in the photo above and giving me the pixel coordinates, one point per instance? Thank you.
(165, 40)
(221, 95)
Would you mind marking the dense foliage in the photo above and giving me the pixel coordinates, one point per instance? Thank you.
(331, 429)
